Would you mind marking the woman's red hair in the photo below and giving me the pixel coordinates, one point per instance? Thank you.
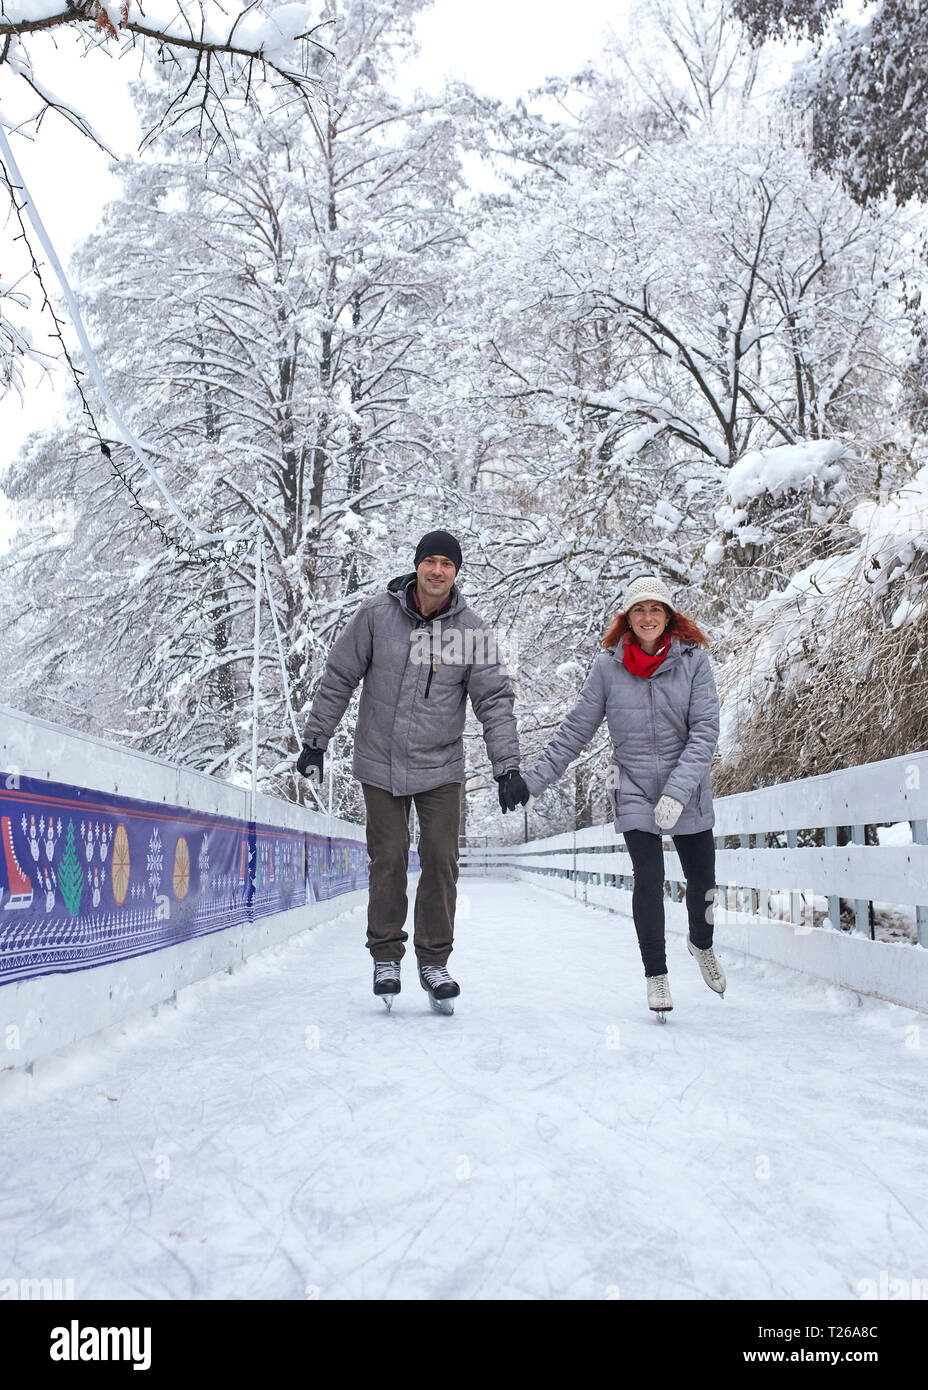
(677, 626)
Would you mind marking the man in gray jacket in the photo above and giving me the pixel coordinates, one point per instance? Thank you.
(420, 651)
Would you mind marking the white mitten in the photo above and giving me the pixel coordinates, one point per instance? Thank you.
(667, 812)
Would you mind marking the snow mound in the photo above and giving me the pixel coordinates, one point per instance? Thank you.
(787, 468)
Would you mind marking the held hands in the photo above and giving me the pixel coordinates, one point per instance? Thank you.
(309, 764)
(667, 812)
(512, 791)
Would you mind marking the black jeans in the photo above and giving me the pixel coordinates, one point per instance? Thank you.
(697, 858)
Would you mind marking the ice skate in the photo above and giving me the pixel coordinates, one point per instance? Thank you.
(712, 972)
(387, 980)
(439, 986)
(659, 999)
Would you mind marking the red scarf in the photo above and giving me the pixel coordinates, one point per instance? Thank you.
(636, 659)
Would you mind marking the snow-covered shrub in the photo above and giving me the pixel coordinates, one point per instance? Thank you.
(773, 498)
(831, 670)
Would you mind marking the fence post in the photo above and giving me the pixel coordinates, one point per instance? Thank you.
(765, 841)
(834, 903)
(745, 842)
(861, 905)
(920, 837)
(795, 899)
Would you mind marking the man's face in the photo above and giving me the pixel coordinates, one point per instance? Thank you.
(435, 576)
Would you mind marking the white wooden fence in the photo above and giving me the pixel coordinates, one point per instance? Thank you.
(769, 860)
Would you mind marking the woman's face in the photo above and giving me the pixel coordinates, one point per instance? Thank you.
(647, 619)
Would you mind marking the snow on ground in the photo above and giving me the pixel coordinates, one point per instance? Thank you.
(278, 1135)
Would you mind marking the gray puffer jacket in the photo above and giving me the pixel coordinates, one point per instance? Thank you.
(409, 734)
(664, 731)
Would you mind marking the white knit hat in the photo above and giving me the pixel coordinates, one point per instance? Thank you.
(647, 586)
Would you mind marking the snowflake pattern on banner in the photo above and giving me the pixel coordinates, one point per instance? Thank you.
(203, 864)
(155, 864)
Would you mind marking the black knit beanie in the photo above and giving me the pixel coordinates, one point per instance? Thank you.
(439, 543)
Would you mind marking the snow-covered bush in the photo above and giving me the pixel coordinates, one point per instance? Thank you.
(831, 670)
(773, 498)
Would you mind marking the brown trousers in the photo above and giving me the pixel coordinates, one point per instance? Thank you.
(439, 813)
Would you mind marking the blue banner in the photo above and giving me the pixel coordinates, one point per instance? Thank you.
(87, 878)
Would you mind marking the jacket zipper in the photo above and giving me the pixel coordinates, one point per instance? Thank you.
(653, 729)
(432, 672)
(651, 702)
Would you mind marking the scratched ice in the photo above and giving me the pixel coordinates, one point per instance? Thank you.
(280, 1135)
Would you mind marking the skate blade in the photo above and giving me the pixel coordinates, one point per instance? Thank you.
(388, 1002)
(661, 1014)
(441, 1006)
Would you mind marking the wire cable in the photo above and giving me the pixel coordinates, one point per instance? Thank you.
(128, 438)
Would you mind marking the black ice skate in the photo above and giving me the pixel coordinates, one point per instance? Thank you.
(440, 987)
(387, 980)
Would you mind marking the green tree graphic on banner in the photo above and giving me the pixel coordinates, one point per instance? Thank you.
(71, 875)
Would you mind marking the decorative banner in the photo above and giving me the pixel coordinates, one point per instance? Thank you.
(87, 878)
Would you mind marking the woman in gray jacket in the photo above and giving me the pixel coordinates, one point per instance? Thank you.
(653, 684)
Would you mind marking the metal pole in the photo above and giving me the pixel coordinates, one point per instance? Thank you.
(255, 676)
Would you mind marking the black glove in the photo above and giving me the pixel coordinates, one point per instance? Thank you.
(309, 764)
(512, 791)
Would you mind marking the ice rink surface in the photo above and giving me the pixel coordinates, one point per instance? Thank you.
(279, 1135)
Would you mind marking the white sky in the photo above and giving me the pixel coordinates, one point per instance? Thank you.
(501, 47)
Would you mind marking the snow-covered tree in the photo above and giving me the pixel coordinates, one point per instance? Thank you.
(207, 61)
(215, 56)
(649, 312)
(866, 83)
(269, 321)
(687, 59)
